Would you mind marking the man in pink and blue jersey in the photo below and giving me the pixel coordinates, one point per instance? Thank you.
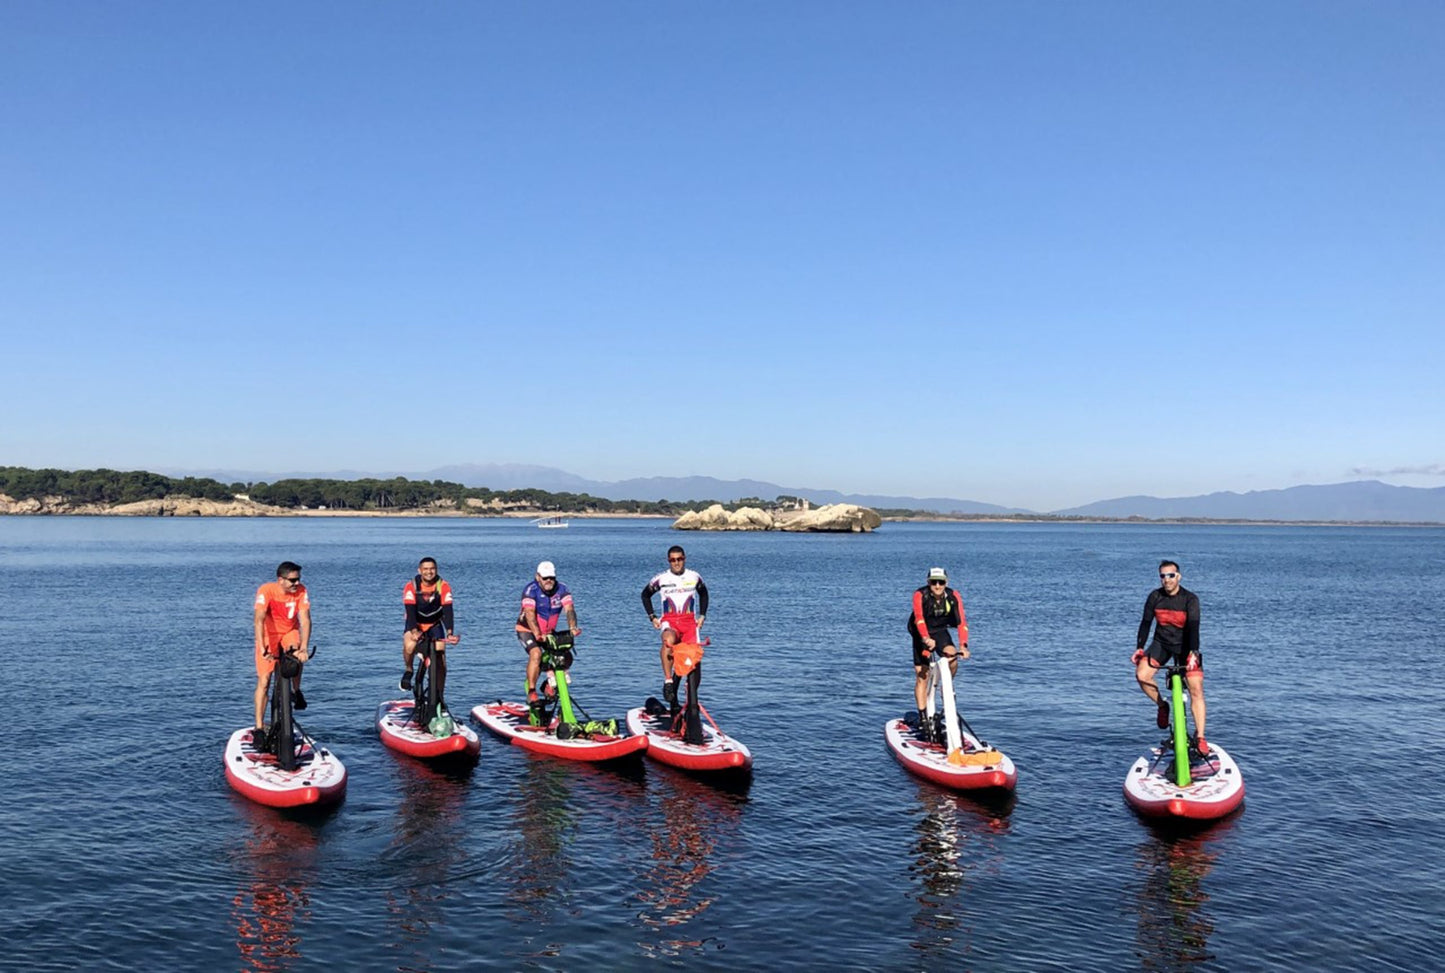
(544, 601)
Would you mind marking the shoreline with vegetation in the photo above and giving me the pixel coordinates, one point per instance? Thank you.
(141, 493)
(101, 492)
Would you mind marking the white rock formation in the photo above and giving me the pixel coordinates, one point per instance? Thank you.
(839, 517)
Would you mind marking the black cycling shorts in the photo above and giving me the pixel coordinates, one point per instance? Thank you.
(940, 641)
(437, 633)
(1161, 656)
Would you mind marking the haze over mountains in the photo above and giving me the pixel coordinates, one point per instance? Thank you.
(1361, 501)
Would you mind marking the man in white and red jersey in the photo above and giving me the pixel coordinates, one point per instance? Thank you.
(684, 605)
(429, 615)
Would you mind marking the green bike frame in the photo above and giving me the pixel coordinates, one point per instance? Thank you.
(1181, 733)
(564, 699)
(559, 679)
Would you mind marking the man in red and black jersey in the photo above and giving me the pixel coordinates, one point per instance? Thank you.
(936, 609)
(429, 614)
(1173, 612)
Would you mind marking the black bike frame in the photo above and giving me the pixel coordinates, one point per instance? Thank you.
(283, 742)
(425, 692)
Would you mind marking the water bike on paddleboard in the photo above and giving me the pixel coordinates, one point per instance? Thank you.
(281, 766)
(423, 726)
(1175, 780)
(940, 746)
(550, 725)
(676, 734)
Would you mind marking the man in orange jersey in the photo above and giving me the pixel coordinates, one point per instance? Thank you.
(283, 623)
(428, 602)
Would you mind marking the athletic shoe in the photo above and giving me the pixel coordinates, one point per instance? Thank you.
(260, 740)
(298, 701)
(405, 684)
(1201, 745)
(1162, 717)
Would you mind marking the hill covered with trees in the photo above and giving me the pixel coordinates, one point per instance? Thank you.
(113, 487)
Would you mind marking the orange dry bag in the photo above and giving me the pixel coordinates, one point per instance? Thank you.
(685, 657)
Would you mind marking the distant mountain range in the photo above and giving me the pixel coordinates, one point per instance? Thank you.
(519, 476)
(690, 488)
(1360, 501)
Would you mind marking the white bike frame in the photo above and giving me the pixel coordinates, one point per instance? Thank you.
(941, 679)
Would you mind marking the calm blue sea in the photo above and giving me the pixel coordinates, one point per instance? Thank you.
(121, 846)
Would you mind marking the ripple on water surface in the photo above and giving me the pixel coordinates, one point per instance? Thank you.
(833, 856)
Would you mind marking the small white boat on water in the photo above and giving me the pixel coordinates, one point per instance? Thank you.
(550, 522)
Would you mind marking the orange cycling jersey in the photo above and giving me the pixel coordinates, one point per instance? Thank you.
(282, 609)
(426, 604)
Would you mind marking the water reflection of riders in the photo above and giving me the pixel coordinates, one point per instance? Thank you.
(955, 837)
(536, 859)
(1174, 928)
(695, 818)
(272, 903)
(425, 848)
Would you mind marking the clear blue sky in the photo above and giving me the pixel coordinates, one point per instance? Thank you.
(1026, 253)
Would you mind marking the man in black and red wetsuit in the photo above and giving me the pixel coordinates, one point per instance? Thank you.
(1173, 611)
(429, 614)
(936, 608)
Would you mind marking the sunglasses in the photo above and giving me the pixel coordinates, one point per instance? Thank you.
(550, 578)
(934, 583)
(677, 560)
(295, 580)
(1168, 574)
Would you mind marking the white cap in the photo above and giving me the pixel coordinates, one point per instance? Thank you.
(937, 574)
(546, 570)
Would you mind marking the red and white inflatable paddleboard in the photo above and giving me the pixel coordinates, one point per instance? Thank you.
(509, 721)
(717, 752)
(976, 767)
(319, 777)
(1216, 787)
(394, 723)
